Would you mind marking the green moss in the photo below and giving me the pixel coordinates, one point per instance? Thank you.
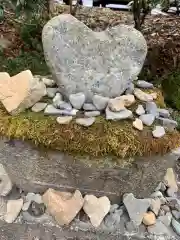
(171, 88)
(102, 138)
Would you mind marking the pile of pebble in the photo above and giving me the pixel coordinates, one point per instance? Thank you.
(159, 214)
(146, 113)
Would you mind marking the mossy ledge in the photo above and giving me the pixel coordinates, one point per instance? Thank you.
(102, 138)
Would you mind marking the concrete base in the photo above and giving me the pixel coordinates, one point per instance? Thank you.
(35, 170)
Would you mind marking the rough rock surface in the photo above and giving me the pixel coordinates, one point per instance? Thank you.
(20, 92)
(124, 114)
(63, 206)
(13, 210)
(90, 62)
(5, 182)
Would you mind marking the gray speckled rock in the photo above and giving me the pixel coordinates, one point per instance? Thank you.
(136, 207)
(140, 110)
(89, 107)
(124, 114)
(100, 102)
(144, 84)
(77, 100)
(163, 112)
(89, 62)
(92, 113)
(158, 132)
(147, 119)
(86, 122)
(167, 123)
(51, 110)
(151, 108)
(176, 214)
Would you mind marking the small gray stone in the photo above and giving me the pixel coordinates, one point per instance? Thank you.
(156, 194)
(77, 100)
(64, 119)
(132, 227)
(158, 132)
(151, 108)
(89, 107)
(147, 119)
(124, 114)
(167, 123)
(100, 102)
(64, 106)
(155, 205)
(165, 208)
(51, 92)
(112, 220)
(48, 82)
(86, 122)
(144, 84)
(176, 226)
(13, 209)
(161, 212)
(176, 214)
(38, 107)
(136, 207)
(163, 113)
(166, 220)
(140, 110)
(29, 198)
(58, 98)
(51, 110)
(161, 187)
(36, 209)
(5, 182)
(44, 219)
(158, 229)
(130, 88)
(92, 113)
(173, 203)
(113, 208)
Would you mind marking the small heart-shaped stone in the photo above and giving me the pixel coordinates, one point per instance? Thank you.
(96, 208)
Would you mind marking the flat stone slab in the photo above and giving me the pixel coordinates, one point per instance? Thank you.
(35, 170)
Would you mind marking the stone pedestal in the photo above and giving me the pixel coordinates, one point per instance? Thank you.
(35, 170)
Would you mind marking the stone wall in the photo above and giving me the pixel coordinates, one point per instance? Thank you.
(38, 169)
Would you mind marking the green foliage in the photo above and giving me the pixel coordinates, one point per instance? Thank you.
(171, 88)
(25, 60)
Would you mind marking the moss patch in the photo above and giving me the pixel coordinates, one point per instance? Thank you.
(102, 138)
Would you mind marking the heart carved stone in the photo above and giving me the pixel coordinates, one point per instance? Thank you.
(82, 60)
(96, 208)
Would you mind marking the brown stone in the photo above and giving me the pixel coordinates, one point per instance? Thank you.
(128, 99)
(63, 206)
(149, 218)
(96, 208)
(20, 91)
(116, 105)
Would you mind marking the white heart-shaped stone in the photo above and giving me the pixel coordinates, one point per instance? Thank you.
(96, 208)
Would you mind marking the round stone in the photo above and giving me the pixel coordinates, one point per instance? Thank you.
(149, 218)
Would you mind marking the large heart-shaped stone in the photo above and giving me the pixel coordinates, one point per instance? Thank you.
(92, 62)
